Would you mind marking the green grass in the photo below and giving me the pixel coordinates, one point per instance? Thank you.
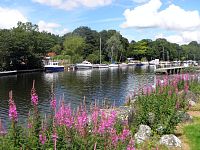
(192, 133)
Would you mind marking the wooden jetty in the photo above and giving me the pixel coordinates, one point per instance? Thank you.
(169, 70)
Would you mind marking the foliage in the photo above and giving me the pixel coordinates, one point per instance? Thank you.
(159, 108)
(114, 47)
(74, 46)
(28, 45)
(23, 47)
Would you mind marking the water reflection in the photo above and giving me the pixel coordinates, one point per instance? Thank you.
(96, 84)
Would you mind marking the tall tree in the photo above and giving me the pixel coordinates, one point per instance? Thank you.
(114, 47)
(74, 46)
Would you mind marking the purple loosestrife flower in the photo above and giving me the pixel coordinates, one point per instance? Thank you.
(42, 138)
(81, 121)
(169, 92)
(95, 115)
(12, 108)
(149, 90)
(64, 116)
(131, 145)
(144, 90)
(34, 96)
(53, 103)
(125, 134)
(107, 122)
(176, 90)
(114, 137)
(186, 87)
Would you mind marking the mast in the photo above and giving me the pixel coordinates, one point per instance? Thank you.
(100, 49)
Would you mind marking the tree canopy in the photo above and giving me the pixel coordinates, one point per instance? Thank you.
(23, 47)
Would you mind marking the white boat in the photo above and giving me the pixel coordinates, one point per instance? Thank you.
(53, 66)
(84, 65)
(145, 62)
(103, 66)
(113, 65)
(123, 65)
(100, 66)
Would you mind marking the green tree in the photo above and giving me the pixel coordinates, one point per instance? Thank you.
(74, 46)
(114, 47)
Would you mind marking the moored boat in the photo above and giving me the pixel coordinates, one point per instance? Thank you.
(53, 66)
(84, 65)
(100, 66)
(123, 65)
(113, 65)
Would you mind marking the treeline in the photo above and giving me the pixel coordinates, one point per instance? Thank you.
(24, 47)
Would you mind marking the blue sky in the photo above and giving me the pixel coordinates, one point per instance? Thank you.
(176, 20)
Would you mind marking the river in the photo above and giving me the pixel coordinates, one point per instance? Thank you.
(111, 85)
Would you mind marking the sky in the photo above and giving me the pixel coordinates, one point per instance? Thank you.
(176, 20)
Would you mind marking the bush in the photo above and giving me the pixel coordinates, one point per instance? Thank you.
(159, 108)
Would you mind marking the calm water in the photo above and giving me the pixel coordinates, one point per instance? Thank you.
(112, 85)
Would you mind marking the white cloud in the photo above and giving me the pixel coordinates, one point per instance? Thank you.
(71, 4)
(140, 1)
(173, 17)
(185, 24)
(52, 27)
(184, 37)
(10, 17)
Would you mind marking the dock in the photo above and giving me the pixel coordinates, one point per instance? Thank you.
(170, 70)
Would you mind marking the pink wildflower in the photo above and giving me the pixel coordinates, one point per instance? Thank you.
(125, 134)
(12, 108)
(107, 122)
(149, 90)
(34, 99)
(131, 145)
(81, 121)
(53, 104)
(169, 92)
(95, 115)
(42, 138)
(186, 87)
(114, 137)
(54, 136)
(34, 96)
(64, 116)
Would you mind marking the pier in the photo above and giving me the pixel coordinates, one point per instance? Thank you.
(170, 70)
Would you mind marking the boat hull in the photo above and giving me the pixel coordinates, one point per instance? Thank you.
(83, 66)
(54, 69)
(113, 66)
(100, 66)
